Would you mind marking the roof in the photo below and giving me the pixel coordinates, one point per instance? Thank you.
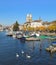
(26, 22)
(37, 20)
(46, 23)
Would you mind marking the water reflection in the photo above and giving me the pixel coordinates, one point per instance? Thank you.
(28, 52)
(51, 55)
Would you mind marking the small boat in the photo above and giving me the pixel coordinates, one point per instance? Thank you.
(51, 49)
(51, 38)
(34, 35)
(14, 36)
(1, 30)
(32, 39)
(19, 35)
(9, 33)
(54, 43)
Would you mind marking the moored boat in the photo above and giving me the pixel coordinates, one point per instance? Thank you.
(51, 49)
(32, 39)
(9, 33)
(19, 35)
(54, 43)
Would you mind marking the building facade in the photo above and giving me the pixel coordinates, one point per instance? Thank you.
(32, 23)
(36, 23)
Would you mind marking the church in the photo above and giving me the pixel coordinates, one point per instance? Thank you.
(33, 23)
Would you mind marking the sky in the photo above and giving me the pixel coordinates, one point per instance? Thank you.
(12, 10)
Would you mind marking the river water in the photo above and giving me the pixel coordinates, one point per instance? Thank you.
(35, 49)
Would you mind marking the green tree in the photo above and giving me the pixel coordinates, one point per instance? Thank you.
(16, 26)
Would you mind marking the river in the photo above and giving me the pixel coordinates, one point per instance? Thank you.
(35, 49)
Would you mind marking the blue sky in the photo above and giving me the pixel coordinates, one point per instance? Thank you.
(12, 10)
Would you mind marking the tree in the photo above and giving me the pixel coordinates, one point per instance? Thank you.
(16, 26)
(52, 28)
(42, 28)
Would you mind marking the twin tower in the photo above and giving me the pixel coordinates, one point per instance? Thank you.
(29, 18)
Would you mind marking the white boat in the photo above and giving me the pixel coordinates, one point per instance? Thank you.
(19, 35)
(35, 34)
(14, 36)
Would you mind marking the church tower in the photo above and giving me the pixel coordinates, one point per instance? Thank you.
(29, 18)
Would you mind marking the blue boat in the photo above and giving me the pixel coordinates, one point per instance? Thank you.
(54, 43)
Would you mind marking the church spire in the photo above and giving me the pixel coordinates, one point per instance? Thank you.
(29, 18)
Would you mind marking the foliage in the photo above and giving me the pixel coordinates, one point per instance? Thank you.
(16, 26)
(42, 28)
(24, 28)
(30, 28)
(52, 27)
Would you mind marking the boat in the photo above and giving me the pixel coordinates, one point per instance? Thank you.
(32, 39)
(1, 30)
(9, 33)
(19, 35)
(51, 37)
(35, 34)
(54, 43)
(14, 36)
(51, 49)
(42, 36)
(35, 37)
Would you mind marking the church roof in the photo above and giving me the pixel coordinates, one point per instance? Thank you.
(46, 23)
(27, 23)
(37, 20)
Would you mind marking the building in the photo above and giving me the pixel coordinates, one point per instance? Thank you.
(1, 27)
(46, 23)
(29, 18)
(20, 27)
(36, 23)
(32, 23)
